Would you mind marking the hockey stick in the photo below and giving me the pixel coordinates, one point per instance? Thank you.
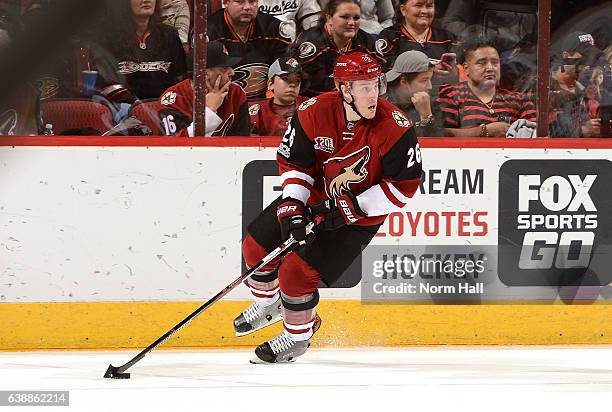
(118, 372)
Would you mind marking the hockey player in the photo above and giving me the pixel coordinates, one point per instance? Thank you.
(346, 145)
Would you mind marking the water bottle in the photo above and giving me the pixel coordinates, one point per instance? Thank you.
(49, 130)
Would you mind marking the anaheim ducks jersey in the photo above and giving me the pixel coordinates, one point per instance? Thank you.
(323, 156)
(317, 53)
(176, 111)
(303, 12)
(266, 40)
(395, 40)
(143, 71)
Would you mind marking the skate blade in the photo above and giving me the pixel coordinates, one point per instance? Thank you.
(256, 361)
(239, 334)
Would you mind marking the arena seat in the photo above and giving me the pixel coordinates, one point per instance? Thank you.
(147, 112)
(76, 116)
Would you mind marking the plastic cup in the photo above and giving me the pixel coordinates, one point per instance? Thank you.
(89, 78)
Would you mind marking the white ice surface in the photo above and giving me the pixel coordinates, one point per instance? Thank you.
(446, 379)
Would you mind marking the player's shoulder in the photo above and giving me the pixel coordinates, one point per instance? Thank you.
(317, 105)
(390, 120)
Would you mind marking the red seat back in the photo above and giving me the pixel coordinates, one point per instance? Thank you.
(65, 114)
(147, 111)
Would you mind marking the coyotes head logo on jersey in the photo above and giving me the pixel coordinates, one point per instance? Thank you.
(340, 172)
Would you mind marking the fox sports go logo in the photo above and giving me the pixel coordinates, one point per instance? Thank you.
(559, 217)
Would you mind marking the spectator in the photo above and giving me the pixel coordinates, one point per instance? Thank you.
(568, 109)
(608, 54)
(19, 110)
(176, 13)
(303, 12)
(272, 116)
(595, 93)
(477, 107)
(413, 31)
(138, 57)
(256, 38)
(318, 48)
(55, 78)
(408, 87)
(227, 112)
(375, 14)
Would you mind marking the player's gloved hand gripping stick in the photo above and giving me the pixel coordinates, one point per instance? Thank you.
(118, 372)
(344, 210)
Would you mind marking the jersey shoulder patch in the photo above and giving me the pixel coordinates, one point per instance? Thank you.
(381, 46)
(306, 50)
(307, 103)
(401, 119)
(284, 29)
(254, 109)
(168, 98)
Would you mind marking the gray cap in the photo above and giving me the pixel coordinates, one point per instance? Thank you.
(284, 65)
(412, 61)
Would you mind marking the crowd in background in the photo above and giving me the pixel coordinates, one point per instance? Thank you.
(452, 75)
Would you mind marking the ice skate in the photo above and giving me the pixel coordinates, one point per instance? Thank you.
(257, 316)
(283, 349)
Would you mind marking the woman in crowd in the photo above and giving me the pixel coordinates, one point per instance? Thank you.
(136, 55)
(318, 48)
(375, 14)
(413, 30)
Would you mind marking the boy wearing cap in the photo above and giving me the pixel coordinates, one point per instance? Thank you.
(226, 103)
(271, 117)
(408, 87)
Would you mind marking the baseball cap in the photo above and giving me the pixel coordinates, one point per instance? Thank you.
(577, 41)
(284, 65)
(412, 61)
(218, 56)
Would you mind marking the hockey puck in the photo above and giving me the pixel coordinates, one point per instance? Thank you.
(113, 373)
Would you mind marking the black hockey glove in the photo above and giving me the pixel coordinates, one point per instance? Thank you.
(291, 215)
(343, 211)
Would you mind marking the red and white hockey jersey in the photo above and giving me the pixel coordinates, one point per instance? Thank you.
(323, 156)
(176, 113)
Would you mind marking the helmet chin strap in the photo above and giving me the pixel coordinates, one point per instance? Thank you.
(352, 104)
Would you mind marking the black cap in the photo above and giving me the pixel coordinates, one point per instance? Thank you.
(284, 65)
(577, 41)
(218, 56)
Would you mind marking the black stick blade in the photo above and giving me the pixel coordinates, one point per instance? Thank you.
(112, 373)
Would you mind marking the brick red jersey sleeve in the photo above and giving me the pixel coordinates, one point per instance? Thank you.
(402, 170)
(177, 112)
(296, 161)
